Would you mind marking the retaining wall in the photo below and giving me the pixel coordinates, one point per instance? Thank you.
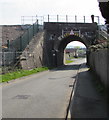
(32, 56)
(99, 63)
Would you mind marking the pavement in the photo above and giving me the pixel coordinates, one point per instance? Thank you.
(86, 101)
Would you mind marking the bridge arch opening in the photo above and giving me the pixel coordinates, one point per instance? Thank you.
(63, 44)
(73, 51)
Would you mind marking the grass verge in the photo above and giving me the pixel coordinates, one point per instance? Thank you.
(68, 61)
(20, 73)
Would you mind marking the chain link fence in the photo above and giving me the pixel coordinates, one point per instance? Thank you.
(20, 43)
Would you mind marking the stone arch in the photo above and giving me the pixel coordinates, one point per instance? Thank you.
(61, 44)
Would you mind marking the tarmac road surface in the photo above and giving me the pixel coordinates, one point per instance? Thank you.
(42, 95)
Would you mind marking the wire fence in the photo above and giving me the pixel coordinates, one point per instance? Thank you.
(10, 56)
(21, 42)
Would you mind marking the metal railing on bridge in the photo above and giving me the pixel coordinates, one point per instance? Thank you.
(60, 18)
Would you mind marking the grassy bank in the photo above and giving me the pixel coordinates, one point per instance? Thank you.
(20, 73)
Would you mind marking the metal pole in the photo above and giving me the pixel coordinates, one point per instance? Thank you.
(37, 26)
(33, 30)
(84, 19)
(29, 36)
(57, 18)
(20, 43)
(48, 18)
(75, 18)
(66, 18)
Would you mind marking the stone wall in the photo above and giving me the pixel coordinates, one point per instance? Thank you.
(98, 61)
(32, 56)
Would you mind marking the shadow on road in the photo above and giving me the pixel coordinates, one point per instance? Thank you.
(67, 67)
(87, 102)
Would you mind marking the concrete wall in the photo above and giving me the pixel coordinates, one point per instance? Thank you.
(99, 63)
(32, 56)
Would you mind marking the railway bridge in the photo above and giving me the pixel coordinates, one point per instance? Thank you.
(59, 34)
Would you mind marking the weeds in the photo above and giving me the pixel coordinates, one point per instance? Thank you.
(20, 73)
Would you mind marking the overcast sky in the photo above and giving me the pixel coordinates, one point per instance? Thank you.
(12, 10)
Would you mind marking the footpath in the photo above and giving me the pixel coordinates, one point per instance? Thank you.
(87, 102)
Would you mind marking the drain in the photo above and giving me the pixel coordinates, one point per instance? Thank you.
(21, 97)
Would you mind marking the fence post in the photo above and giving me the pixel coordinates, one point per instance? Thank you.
(20, 43)
(48, 18)
(37, 26)
(33, 30)
(66, 18)
(75, 18)
(28, 36)
(84, 19)
(57, 18)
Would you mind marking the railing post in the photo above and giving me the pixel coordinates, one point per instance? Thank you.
(57, 18)
(29, 36)
(37, 26)
(33, 30)
(84, 19)
(66, 18)
(92, 17)
(48, 18)
(75, 18)
(20, 43)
